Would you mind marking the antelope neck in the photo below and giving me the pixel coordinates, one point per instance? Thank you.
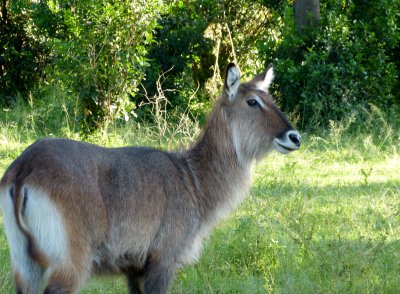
(215, 165)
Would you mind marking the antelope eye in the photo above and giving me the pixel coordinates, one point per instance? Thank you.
(252, 102)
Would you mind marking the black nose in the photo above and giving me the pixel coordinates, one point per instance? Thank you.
(295, 139)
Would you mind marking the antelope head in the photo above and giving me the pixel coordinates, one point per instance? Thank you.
(257, 124)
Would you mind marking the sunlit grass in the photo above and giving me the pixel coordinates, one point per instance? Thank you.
(309, 226)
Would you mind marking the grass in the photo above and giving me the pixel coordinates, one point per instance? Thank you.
(325, 219)
(310, 225)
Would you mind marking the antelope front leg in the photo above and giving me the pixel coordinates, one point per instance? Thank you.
(135, 283)
(158, 277)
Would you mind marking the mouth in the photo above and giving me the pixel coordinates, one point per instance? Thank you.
(283, 147)
(287, 148)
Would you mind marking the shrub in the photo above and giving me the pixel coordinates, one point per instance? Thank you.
(22, 55)
(341, 67)
(195, 42)
(102, 59)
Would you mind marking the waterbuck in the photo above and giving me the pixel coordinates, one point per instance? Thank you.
(72, 209)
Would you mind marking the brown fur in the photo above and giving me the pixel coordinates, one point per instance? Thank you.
(141, 211)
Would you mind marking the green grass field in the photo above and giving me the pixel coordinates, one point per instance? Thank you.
(325, 219)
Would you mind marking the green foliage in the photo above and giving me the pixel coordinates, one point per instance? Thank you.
(195, 42)
(180, 43)
(112, 54)
(180, 54)
(341, 67)
(103, 56)
(96, 50)
(22, 56)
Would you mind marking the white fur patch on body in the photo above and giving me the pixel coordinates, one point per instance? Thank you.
(46, 226)
(22, 264)
(237, 192)
(191, 253)
(236, 144)
(42, 219)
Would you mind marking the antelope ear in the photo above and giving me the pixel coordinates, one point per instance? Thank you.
(264, 80)
(232, 81)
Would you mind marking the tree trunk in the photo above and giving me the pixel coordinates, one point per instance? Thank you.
(307, 14)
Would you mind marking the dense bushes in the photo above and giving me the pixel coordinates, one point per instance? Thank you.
(22, 56)
(194, 43)
(109, 55)
(180, 54)
(102, 58)
(349, 62)
(93, 50)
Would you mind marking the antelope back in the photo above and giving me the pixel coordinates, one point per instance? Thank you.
(256, 122)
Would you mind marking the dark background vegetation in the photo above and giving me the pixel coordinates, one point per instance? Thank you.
(111, 57)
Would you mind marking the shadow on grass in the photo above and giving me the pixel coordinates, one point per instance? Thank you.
(341, 266)
(327, 266)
